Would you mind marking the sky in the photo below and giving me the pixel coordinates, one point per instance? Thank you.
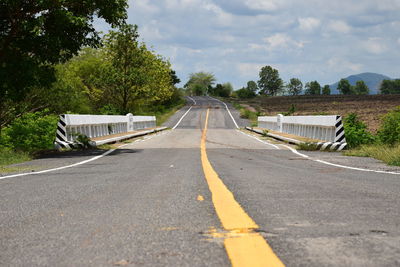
(321, 40)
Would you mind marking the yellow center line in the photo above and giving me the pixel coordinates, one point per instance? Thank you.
(249, 248)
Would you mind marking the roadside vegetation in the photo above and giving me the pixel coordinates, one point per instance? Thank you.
(384, 145)
(48, 69)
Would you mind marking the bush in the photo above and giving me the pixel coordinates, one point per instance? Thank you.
(389, 132)
(31, 132)
(356, 132)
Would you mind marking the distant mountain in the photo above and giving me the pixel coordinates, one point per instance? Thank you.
(372, 80)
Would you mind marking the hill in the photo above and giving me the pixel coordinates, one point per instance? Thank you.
(373, 81)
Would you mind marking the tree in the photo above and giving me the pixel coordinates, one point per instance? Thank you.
(313, 88)
(200, 80)
(252, 86)
(326, 90)
(361, 88)
(174, 78)
(390, 87)
(132, 75)
(294, 87)
(269, 83)
(344, 87)
(34, 35)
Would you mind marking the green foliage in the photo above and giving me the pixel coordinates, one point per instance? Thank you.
(222, 90)
(270, 83)
(132, 75)
(356, 131)
(390, 154)
(244, 93)
(390, 87)
(344, 87)
(252, 87)
(360, 88)
(31, 132)
(313, 88)
(389, 132)
(265, 133)
(83, 139)
(294, 87)
(34, 35)
(326, 90)
(8, 157)
(200, 82)
(291, 110)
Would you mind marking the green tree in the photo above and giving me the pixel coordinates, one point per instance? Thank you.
(361, 88)
(345, 87)
(174, 78)
(132, 75)
(270, 83)
(252, 86)
(34, 35)
(294, 87)
(390, 87)
(313, 88)
(326, 90)
(199, 80)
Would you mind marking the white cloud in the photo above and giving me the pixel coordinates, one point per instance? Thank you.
(248, 69)
(336, 63)
(282, 40)
(339, 26)
(309, 24)
(375, 45)
(270, 5)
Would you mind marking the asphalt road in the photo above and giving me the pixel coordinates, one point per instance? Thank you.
(149, 204)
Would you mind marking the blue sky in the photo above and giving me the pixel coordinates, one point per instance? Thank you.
(311, 39)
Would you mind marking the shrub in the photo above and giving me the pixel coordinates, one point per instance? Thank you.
(31, 132)
(389, 132)
(356, 131)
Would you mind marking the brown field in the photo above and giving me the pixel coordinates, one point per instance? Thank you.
(370, 108)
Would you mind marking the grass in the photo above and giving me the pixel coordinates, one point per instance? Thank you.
(388, 154)
(247, 114)
(307, 146)
(163, 117)
(8, 157)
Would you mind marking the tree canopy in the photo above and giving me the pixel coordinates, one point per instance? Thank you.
(344, 87)
(200, 82)
(294, 87)
(270, 83)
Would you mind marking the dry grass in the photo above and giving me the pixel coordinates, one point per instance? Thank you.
(388, 154)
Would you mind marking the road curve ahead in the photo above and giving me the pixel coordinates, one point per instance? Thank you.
(203, 194)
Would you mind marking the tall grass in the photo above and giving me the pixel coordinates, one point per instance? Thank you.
(390, 154)
(8, 157)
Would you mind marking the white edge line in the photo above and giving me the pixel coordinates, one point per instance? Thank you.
(264, 142)
(194, 101)
(233, 119)
(328, 163)
(176, 125)
(337, 165)
(65, 167)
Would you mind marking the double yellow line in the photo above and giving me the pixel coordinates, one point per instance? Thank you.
(245, 247)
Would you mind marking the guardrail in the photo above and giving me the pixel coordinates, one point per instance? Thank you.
(324, 128)
(71, 125)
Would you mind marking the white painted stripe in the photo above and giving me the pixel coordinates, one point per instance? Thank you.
(176, 125)
(262, 141)
(337, 165)
(227, 110)
(70, 166)
(194, 101)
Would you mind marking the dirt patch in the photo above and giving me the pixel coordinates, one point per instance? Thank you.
(370, 108)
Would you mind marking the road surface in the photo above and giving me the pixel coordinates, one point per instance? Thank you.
(150, 204)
